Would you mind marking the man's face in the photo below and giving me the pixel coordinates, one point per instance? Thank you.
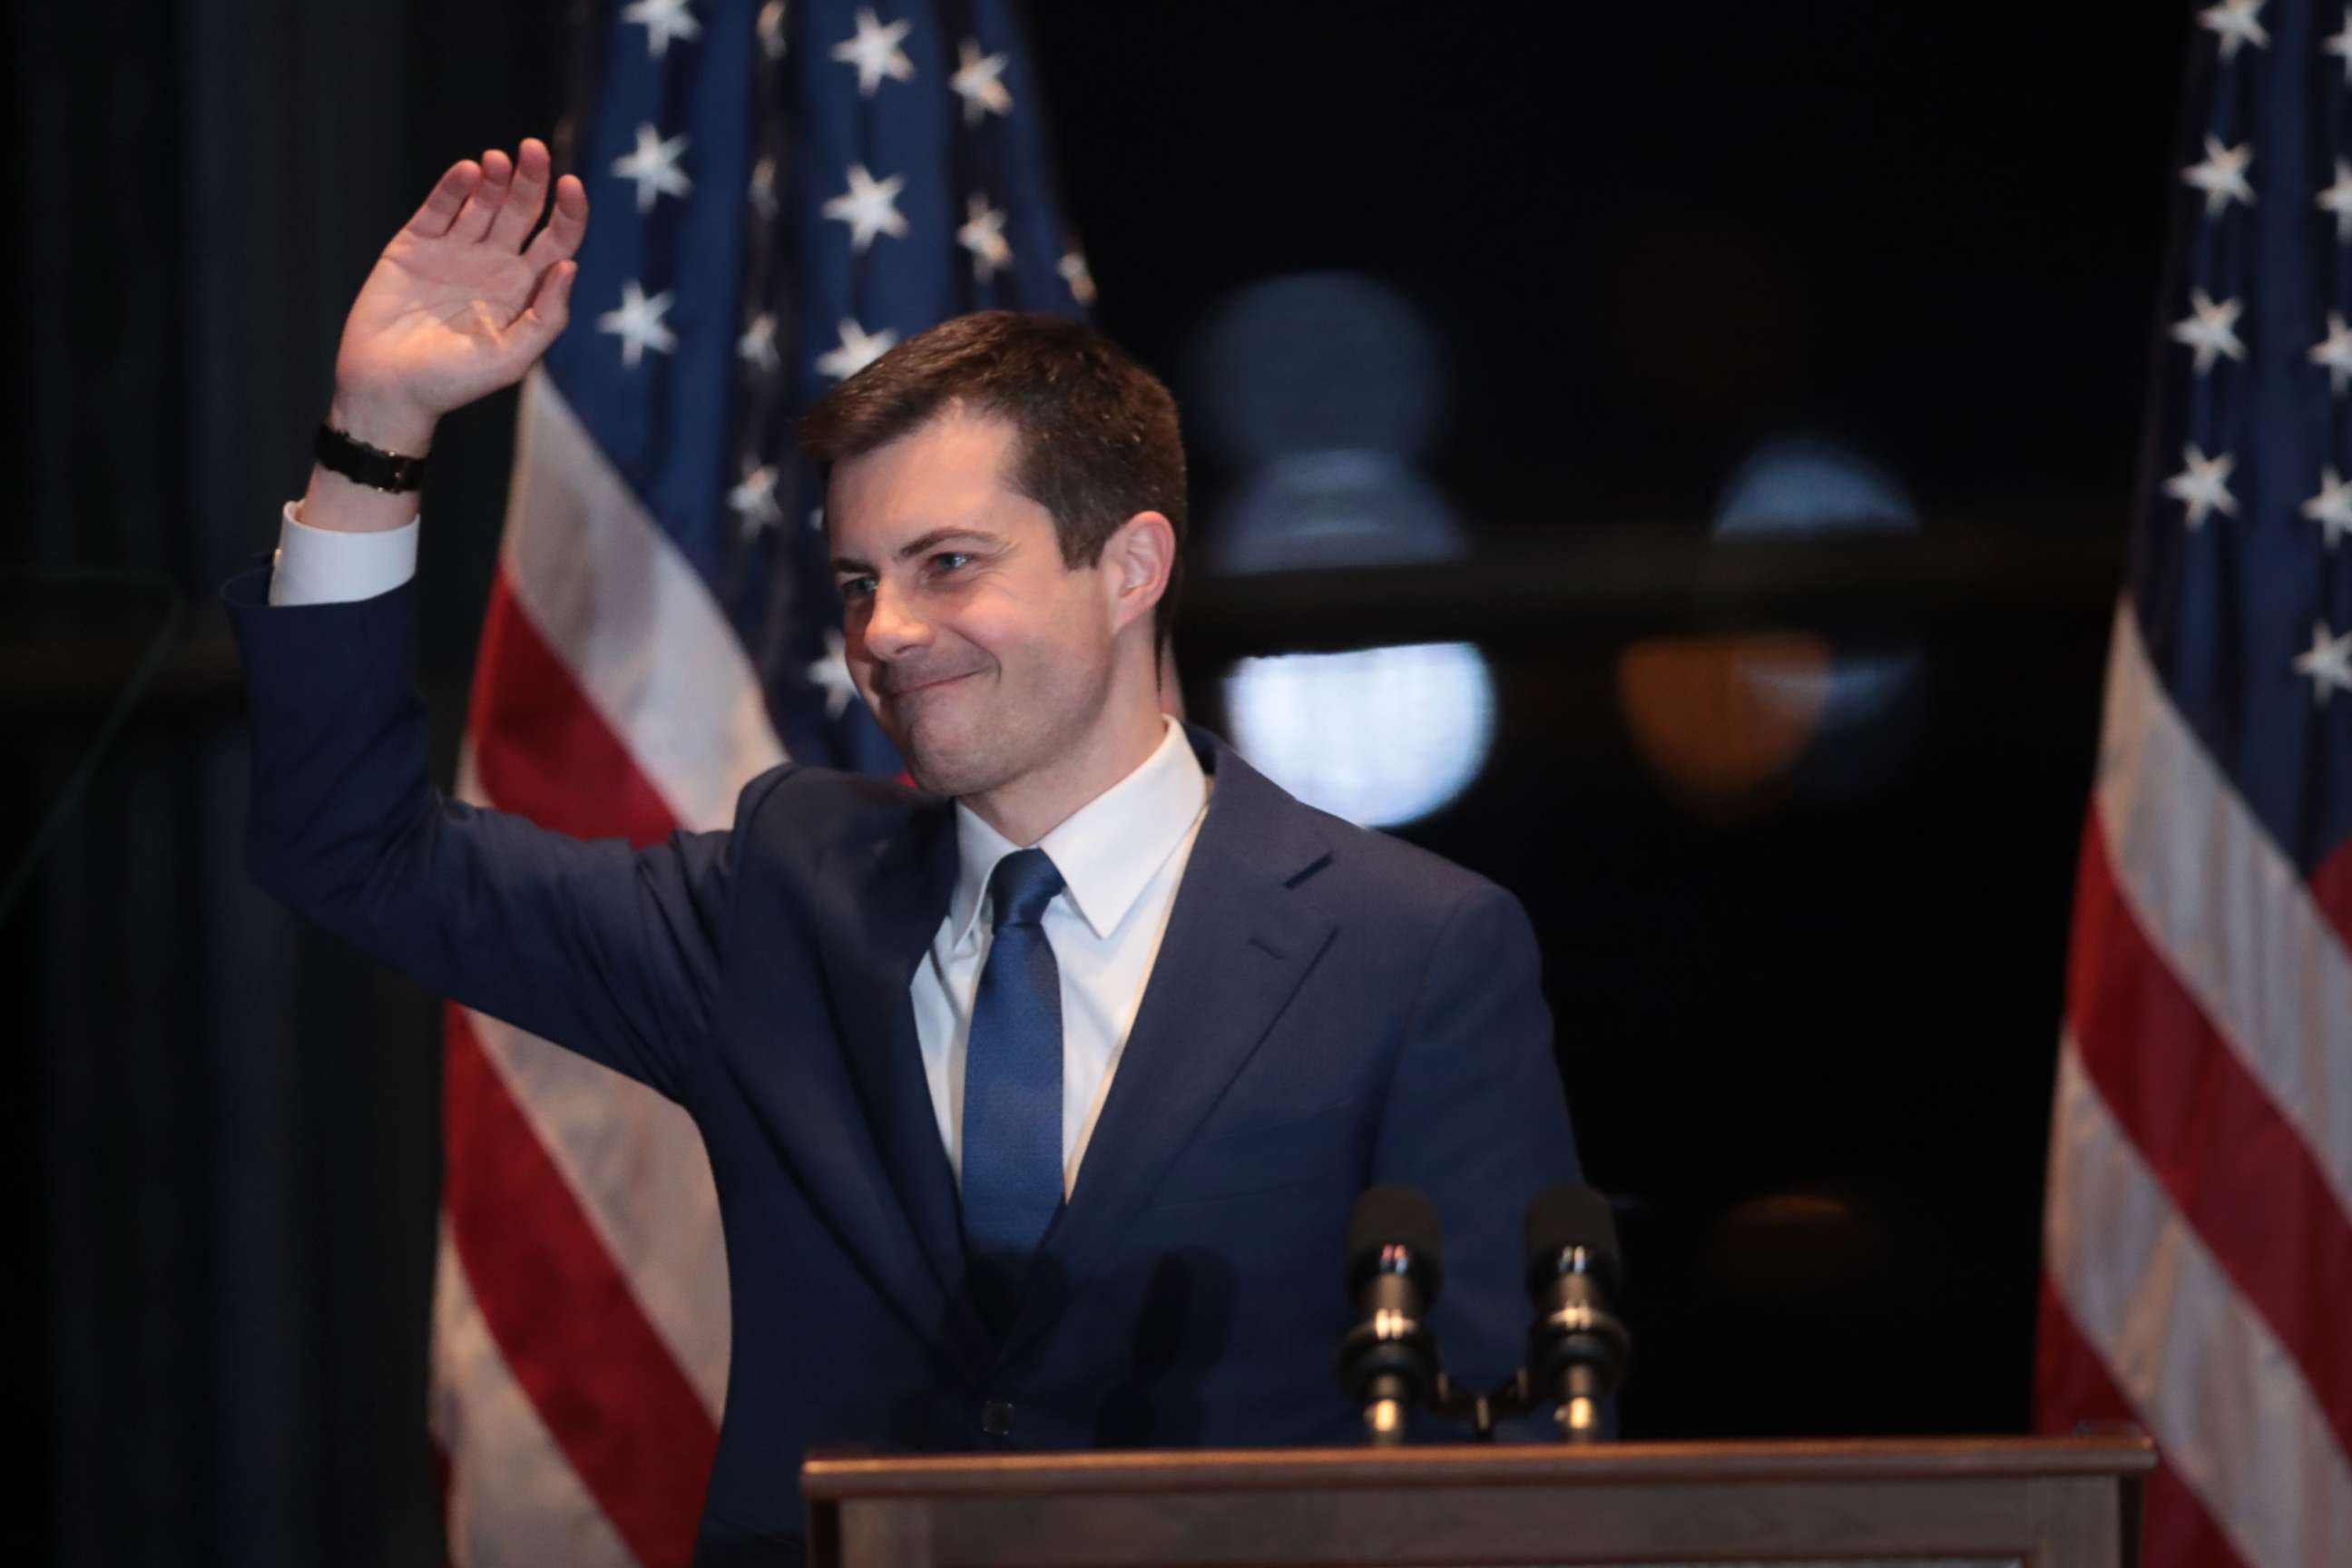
(983, 659)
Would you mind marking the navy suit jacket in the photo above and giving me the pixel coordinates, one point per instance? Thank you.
(1330, 1008)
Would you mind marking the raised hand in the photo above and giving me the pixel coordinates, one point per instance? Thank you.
(458, 306)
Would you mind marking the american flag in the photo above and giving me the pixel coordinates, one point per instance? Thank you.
(780, 192)
(2198, 1244)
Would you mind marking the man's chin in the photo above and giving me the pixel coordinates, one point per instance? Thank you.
(944, 770)
(951, 783)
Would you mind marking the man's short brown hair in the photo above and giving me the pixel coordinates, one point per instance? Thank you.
(1095, 433)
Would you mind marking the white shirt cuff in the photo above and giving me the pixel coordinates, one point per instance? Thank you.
(328, 566)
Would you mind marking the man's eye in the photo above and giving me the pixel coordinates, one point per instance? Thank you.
(951, 560)
(856, 587)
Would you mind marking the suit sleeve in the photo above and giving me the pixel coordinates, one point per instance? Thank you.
(1476, 1117)
(609, 951)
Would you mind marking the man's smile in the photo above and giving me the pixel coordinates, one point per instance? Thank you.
(899, 688)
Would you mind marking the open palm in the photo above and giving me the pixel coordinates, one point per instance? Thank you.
(458, 305)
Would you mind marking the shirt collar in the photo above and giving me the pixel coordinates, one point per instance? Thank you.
(1106, 850)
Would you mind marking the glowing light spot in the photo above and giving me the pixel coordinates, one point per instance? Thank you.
(1381, 736)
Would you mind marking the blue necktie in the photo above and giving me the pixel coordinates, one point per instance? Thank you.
(1013, 1088)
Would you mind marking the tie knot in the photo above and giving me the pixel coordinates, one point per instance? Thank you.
(1023, 884)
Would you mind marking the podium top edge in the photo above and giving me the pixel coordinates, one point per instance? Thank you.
(841, 1475)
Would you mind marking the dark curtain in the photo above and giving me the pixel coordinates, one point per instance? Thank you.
(222, 1145)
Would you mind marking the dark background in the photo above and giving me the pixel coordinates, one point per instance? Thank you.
(1808, 1043)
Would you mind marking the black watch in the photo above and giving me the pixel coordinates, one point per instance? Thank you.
(365, 465)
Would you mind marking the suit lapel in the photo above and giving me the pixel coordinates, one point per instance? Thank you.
(896, 892)
(1238, 943)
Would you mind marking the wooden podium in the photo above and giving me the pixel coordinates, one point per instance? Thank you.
(1971, 1502)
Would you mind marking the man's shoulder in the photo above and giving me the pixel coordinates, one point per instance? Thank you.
(1373, 871)
(1362, 872)
(816, 809)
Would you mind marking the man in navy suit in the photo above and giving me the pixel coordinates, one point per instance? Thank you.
(1036, 1098)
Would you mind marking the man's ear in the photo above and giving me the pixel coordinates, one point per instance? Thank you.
(1137, 560)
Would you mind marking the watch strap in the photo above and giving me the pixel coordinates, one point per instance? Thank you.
(363, 464)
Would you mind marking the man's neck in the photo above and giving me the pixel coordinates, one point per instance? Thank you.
(1028, 808)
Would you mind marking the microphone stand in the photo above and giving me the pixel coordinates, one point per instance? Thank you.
(1513, 1396)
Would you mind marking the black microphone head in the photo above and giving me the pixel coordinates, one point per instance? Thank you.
(1395, 1229)
(1570, 1230)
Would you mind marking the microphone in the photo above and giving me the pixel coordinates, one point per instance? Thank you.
(1577, 1350)
(1388, 1362)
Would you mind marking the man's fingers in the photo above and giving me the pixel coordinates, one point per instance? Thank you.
(526, 197)
(481, 208)
(559, 240)
(550, 310)
(433, 219)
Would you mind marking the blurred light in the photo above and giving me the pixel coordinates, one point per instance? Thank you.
(1705, 325)
(1381, 737)
(1813, 488)
(1322, 388)
(1807, 487)
(1811, 1249)
(1730, 722)
(1324, 509)
(1723, 719)
(1316, 362)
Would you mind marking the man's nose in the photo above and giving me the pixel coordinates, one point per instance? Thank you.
(893, 628)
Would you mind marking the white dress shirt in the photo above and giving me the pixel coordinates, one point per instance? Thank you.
(322, 566)
(1121, 856)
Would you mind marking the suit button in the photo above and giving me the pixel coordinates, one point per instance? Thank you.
(996, 1418)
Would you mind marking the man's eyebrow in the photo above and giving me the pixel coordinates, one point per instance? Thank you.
(921, 542)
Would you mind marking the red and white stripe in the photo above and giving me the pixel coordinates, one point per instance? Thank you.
(580, 1319)
(2198, 1242)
